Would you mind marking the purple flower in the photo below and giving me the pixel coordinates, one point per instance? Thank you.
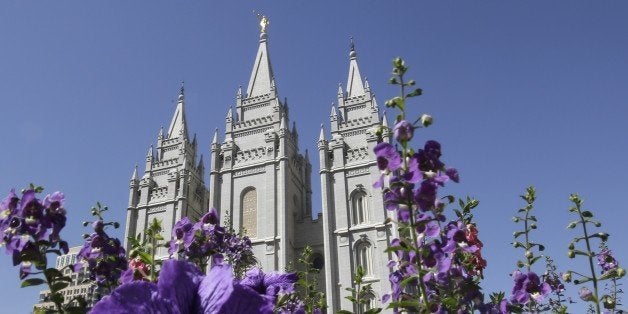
(104, 257)
(388, 160)
(425, 195)
(24, 222)
(457, 238)
(528, 286)
(452, 173)
(182, 288)
(403, 131)
(270, 284)
(428, 157)
(606, 260)
(207, 240)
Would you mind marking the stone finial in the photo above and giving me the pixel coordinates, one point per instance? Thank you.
(352, 53)
(182, 92)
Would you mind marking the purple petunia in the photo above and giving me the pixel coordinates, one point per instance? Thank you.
(182, 288)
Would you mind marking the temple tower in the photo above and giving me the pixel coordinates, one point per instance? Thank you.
(172, 185)
(258, 179)
(353, 211)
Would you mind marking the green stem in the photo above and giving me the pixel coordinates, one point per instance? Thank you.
(422, 289)
(590, 256)
(525, 225)
(153, 248)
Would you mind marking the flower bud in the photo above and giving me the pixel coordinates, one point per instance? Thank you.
(567, 276)
(529, 254)
(609, 302)
(571, 225)
(116, 225)
(403, 131)
(571, 246)
(585, 294)
(515, 219)
(426, 120)
(571, 254)
(620, 272)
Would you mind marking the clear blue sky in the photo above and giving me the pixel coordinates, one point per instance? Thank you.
(522, 93)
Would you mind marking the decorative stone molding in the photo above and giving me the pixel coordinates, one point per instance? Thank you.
(357, 172)
(249, 171)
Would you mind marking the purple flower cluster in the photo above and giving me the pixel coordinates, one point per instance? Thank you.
(200, 241)
(435, 253)
(27, 224)
(103, 255)
(182, 288)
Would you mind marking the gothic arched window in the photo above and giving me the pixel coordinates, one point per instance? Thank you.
(359, 207)
(364, 257)
(249, 212)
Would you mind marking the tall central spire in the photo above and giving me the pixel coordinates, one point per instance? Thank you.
(354, 81)
(178, 126)
(262, 78)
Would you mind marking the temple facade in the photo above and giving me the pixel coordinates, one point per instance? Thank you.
(260, 182)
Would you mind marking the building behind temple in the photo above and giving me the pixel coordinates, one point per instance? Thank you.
(261, 182)
(80, 285)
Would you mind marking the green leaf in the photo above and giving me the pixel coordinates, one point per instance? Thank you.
(450, 302)
(416, 92)
(373, 310)
(32, 282)
(344, 312)
(516, 234)
(52, 273)
(404, 304)
(58, 286)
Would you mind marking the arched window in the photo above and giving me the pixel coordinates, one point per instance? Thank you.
(249, 212)
(359, 207)
(364, 257)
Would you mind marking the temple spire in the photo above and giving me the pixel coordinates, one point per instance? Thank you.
(321, 136)
(215, 139)
(178, 125)
(262, 80)
(134, 176)
(354, 81)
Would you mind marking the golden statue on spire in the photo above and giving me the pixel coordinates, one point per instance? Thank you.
(263, 22)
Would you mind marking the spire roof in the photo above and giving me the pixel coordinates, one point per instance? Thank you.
(354, 81)
(134, 176)
(215, 139)
(178, 124)
(262, 78)
(321, 136)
